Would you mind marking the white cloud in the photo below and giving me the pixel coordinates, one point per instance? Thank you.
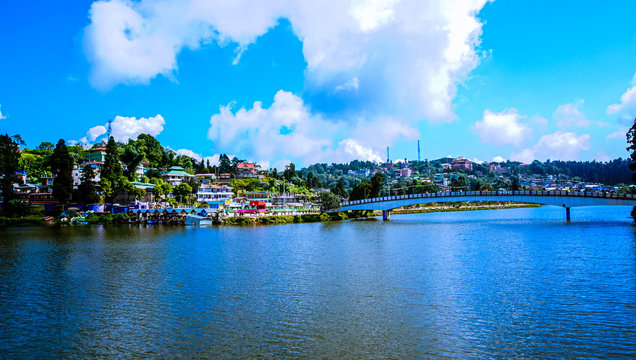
(406, 52)
(569, 115)
(498, 159)
(602, 157)
(94, 132)
(189, 153)
(539, 120)
(350, 85)
(125, 128)
(2, 117)
(626, 110)
(502, 128)
(288, 130)
(621, 132)
(559, 145)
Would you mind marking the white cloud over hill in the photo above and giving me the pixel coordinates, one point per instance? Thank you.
(502, 128)
(288, 128)
(124, 128)
(626, 109)
(416, 51)
(409, 54)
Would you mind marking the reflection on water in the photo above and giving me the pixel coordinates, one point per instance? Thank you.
(507, 283)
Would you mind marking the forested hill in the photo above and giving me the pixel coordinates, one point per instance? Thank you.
(611, 173)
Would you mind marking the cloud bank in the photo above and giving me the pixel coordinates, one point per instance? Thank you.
(626, 109)
(124, 128)
(289, 128)
(398, 61)
(416, 51)
(502, 128)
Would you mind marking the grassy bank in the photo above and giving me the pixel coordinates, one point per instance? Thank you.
(292, 219)
(25, 220)
(448, 207)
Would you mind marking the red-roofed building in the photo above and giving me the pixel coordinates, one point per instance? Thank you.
(245, 170)
(462, 164)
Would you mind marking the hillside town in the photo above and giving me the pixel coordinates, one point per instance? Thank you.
(153, 183)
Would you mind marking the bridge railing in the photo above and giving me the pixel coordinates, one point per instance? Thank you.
(588, 194)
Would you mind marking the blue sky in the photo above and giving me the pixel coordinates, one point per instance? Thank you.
(279, 81)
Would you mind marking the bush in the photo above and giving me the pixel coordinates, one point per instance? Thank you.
(123, 217)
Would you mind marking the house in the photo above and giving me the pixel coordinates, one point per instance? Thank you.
(461, 164)
(78, 172)
(47, 180)
(405, 172)
(205, 179)
(176, 175)
(225, 178)
(245, 170)
(207, 193)
(96, 155)
(256, 195)
(258, 205)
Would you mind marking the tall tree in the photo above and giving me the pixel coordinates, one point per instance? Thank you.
(9, 162)
(132, 157)
(631, 147)
(290, 171)
(225, 165)
(111, 173)
(87, 190)
(377, 182)
(62, 169)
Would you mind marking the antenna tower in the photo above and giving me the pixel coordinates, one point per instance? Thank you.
(418, 151)
(387, 155)
(110, 128)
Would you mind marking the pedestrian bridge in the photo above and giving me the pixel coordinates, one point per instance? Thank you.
(566, 199)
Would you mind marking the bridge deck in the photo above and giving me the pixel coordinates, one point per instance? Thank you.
(559, 198)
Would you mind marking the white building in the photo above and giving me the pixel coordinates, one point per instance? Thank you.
(213, 193)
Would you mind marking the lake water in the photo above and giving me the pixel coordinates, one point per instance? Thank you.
(504, 283)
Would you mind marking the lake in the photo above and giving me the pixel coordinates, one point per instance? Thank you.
(498, 283)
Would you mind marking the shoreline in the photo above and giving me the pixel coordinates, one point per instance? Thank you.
(34, 220)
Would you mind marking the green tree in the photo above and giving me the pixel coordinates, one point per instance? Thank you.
(9, 162)
(132, 156)
(459, 183)
(111, 174)
(290, 171)
(631, 148)
(182, 191)
(339, 190)
(377, 182)
(329, 201)
(87, 191)
(62, 169)
(515, 183)
(360, 191)
(225, 165)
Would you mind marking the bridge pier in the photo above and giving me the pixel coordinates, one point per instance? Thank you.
(386, 215)
(567, 214)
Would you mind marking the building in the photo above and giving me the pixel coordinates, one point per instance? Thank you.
(256, 195)
(245, 170)
(462, 164)
(96, 155)
(207, 193)
(78, 172)
(176, 175)
(205, 179)
(225, 178)
(404, 172)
